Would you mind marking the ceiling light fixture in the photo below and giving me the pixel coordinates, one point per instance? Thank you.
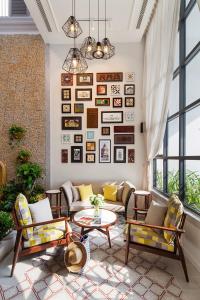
(108, 48)
(98, 52)
(75, 62)
(88, 45)
(72, 28)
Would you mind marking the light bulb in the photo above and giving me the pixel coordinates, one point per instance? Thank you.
(74, 62)
(89, 48)
(72, 27)
(105, 49)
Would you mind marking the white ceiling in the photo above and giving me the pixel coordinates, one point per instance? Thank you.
(122, 14)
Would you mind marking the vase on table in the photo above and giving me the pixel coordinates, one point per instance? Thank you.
(96, 211)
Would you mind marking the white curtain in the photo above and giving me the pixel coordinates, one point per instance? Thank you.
(158, 71)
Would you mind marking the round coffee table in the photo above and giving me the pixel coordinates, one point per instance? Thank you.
(86, 220)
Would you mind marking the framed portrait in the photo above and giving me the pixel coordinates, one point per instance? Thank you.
(105, 151)
(71, 123)
(64, 156)
(129, 101)
(66, 108)
(101, 89)
(90, 146)
(130, 76)
(109, 77)
(119, 154)
(78, 108)
(66, 138)
(76, 154)
(90, 157)
(78, 138)
(66, 79)
(112, 117)
(83, 94)
(90, 135)
(66, 94)
(129, 89)
(115, 90)
(131, 155)
(129, 116)
(102, 101)
(84, 79)
(124, 138)
(105, 130)
(117, 102)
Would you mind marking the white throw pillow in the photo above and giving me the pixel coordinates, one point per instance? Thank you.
(67, 186)
(76, 194)
(156, 214)
(41, 211)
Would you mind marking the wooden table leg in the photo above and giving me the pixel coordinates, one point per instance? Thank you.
(108, 235)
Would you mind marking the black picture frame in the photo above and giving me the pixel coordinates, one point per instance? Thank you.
(116, 157)
(98, 89)
(114, 102)
(71, 123)
(64, 111)
(78, 108)
(107, 157)
(78, 98)
(129, 89)
(111, 121)
(105, 130)
(78, 138)
(90, 146)
(89, 160)
(127, 101)
(66, 94)
(85, 77)
(76, 154)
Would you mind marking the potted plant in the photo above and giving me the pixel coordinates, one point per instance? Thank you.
(6, 224)
(23, 156)
(97, 201)
(16, 134)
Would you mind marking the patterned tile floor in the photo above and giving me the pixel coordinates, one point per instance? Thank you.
(105, 276)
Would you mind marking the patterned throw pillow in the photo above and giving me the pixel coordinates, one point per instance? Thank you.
(173, 216)
(24, 215)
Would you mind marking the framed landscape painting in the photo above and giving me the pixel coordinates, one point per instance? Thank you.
(105, 151)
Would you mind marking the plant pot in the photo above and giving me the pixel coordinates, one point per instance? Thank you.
(7, 244)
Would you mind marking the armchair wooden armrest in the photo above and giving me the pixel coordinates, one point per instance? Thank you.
(176, 230)
(142, 209)
(43, 223)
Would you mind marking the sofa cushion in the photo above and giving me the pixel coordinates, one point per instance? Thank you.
(110, 192)
(76, 194)
(85, 191)
(112, 206)
(126, 190)
(67, 187)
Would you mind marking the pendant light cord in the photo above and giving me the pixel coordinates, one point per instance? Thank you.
(89, 17)
(98, 20)
(72, 7)
(105, 20)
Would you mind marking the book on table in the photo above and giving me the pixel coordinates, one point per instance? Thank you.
(90, 220)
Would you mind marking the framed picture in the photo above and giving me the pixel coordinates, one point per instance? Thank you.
(101, 89)
(66, 94)
(112, 117)
(129, 116)
(66, 108)
(105, 130)
(90, 146)
(109, 77)
(90, 135)
(78, 138)
(124, 138)
(129, 89)
(117, 102)
(131, 155)
(71, 123)
(115, 89)
(76, 154)
(78, 108)
(64, 156)
(66, 138)
(66, 79)
(130, 76)
(90, 157)
(102, 101)
(124, 129)
(84, 79)
(119, 154)
(104, 151)
(129, 101)
(83, 94)
(92, 117)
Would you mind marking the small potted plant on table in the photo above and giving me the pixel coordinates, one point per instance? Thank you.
(97, 201)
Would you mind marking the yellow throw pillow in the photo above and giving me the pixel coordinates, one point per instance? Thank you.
(110, 192)
(85, 192)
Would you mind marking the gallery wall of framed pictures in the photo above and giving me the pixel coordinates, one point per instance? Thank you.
(97, 117)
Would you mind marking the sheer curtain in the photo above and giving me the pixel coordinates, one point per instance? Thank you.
(158, 70)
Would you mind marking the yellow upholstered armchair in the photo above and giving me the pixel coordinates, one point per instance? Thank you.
(33, 237)
(161, 240)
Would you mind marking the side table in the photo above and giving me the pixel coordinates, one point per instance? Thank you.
(57, 193)
(147, 199)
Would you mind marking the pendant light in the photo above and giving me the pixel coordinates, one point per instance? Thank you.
(72, 28)
(88, 45)
(98, 52)
(108, 49)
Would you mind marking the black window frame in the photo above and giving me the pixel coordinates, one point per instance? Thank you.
(181, 114)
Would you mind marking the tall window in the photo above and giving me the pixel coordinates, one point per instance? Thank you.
(177, 165)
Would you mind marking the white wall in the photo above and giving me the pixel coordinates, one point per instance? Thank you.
(129, 57)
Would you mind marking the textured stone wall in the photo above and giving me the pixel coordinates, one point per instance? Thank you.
(22, 96)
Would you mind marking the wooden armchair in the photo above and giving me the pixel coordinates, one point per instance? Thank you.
(160, 240)
(50, 234)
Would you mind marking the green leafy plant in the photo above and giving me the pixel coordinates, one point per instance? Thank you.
(6, 224)
(23, 156)
(97, 200)
(8, 194)
(28, 173)
(16, 134)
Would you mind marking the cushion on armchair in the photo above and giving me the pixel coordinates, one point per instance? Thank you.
(23, 215)
(156, 214)
(126, 190)
(41, 211)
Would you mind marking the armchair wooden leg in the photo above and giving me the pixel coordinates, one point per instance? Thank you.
(127, 245)
(16, 250)
(182, 258)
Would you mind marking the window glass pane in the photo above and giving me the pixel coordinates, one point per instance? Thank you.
(159, 174)
(4, 6)
(174, 96)
(193, 131)
(192, 179)
(192, 29)
(186, 2)
(192, 80)
(173, 176)
(173, 137)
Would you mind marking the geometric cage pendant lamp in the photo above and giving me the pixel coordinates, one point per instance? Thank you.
(98, 52)
(72, 28)
(108, 49)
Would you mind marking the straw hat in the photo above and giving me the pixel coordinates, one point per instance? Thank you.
(75, 257)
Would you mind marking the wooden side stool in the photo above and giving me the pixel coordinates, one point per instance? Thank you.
(147, 199)
(57, 193)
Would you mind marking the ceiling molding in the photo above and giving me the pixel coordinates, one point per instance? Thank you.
(43, 15)
(17, 25)
(53, 15)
